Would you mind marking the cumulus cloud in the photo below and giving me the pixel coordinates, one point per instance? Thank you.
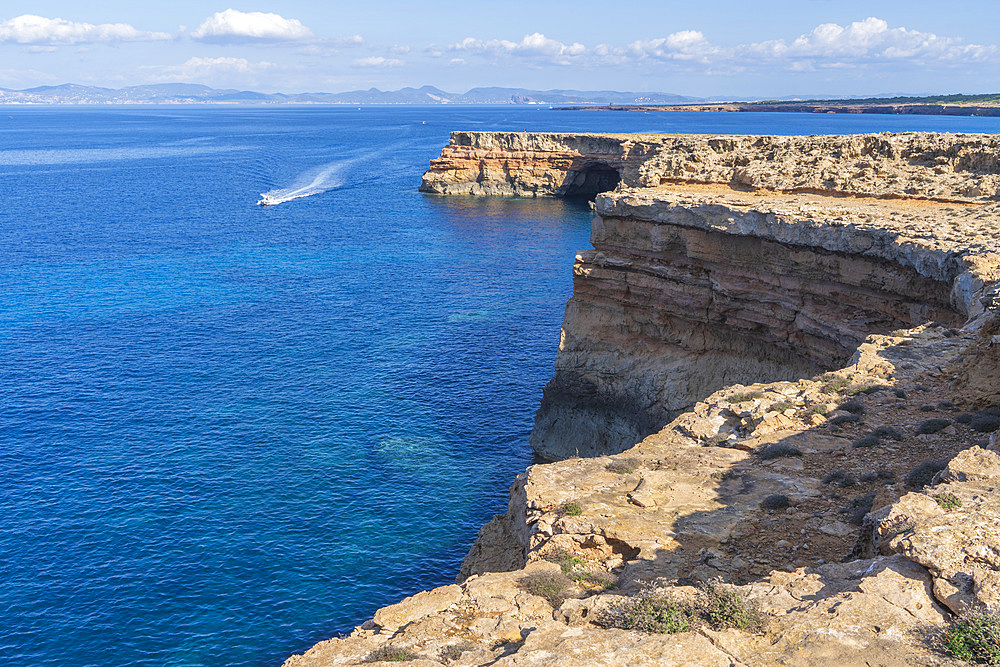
(236, 26)
(533, 46)
(829, 45)
(202, 69)
(378, 61)
(39, 30)
(871, 39)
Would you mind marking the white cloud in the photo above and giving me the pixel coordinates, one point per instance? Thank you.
(829, 45)
(686, 45)
(207, 69)
(533, 46)
(236, 26)
(871, 39)
(378, 61)
(31, 29)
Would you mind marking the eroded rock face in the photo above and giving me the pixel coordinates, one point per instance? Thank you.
(729, 259)
(857, 509)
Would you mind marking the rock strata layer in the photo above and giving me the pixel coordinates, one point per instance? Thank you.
(725, 259)
(856, 508)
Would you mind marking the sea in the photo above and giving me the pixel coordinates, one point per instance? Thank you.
(227, 431)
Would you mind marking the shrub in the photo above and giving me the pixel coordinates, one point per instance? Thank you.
(856, 389)
(571, 509)
(565, 560)
(867, 441)
(819, 409)
(922, 475)
(933, 426)
(725, 609)
(840, 478)
(974, 638)
(453, 652)
(552, 587)
(834, 386)
(746, 396)
(778, 450)
(386, 653)
(883, 474)
(650, 612)
(887, 432)
(595, 580)
(858, 507)
(899, 392)
(775, 502)
(984, 422)
(846, 419)
(964, 418)
(623, 466)
(928, 408)
(855, 407)
(782, 406)
(949, 501)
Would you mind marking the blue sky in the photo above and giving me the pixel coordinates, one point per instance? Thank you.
(715, 49)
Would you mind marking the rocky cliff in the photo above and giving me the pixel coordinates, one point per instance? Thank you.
(731, 259)
(795, 341)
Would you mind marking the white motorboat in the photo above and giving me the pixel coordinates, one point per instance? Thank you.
(266, 200)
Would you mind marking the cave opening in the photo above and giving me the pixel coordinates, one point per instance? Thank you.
(590, 181)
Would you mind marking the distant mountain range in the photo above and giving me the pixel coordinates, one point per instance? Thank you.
(189, 93)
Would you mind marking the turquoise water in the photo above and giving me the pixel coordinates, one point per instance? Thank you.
(229, 432)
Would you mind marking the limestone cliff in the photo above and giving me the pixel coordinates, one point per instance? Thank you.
(857, 508)
(731, 259)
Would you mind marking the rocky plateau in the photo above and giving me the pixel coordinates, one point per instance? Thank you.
(778, 376)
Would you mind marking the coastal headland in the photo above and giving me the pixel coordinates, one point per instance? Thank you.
(910, 108)
(778, 377)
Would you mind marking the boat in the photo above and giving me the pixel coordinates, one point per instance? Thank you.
(266, 200)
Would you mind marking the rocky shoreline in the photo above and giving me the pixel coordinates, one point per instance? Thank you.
(808, 107)
(779, 374)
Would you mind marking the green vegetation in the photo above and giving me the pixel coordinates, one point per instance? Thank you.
(552, 587)
(854, 407)
(979, 99)
(949, 501)
(883, 432)
(565, 560)
(623, 466)
(840, 478)
(865, 442)
(835, 385)
(775, 502)
(922, 475)
(391, 654)
(849, 418)
(778, 450)
(451, 653)
(974, 638)
(933, 426)
(746, 396)
(784, 405)
(985, 422)
(882, 474)
(818, 409)
(571, 509)
(650, 612)
(858, 507)
(724, 609)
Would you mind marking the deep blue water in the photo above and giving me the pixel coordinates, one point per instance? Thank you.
(229, 432)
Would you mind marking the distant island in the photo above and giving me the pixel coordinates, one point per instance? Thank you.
(188, 93)
(935, 105)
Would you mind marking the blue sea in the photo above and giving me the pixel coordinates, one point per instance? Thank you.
(228, 432)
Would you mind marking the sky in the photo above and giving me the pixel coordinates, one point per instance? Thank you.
(710, 49)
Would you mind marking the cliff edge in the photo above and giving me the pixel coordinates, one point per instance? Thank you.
(777, 381)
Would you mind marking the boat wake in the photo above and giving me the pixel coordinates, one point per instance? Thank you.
(312, 182)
